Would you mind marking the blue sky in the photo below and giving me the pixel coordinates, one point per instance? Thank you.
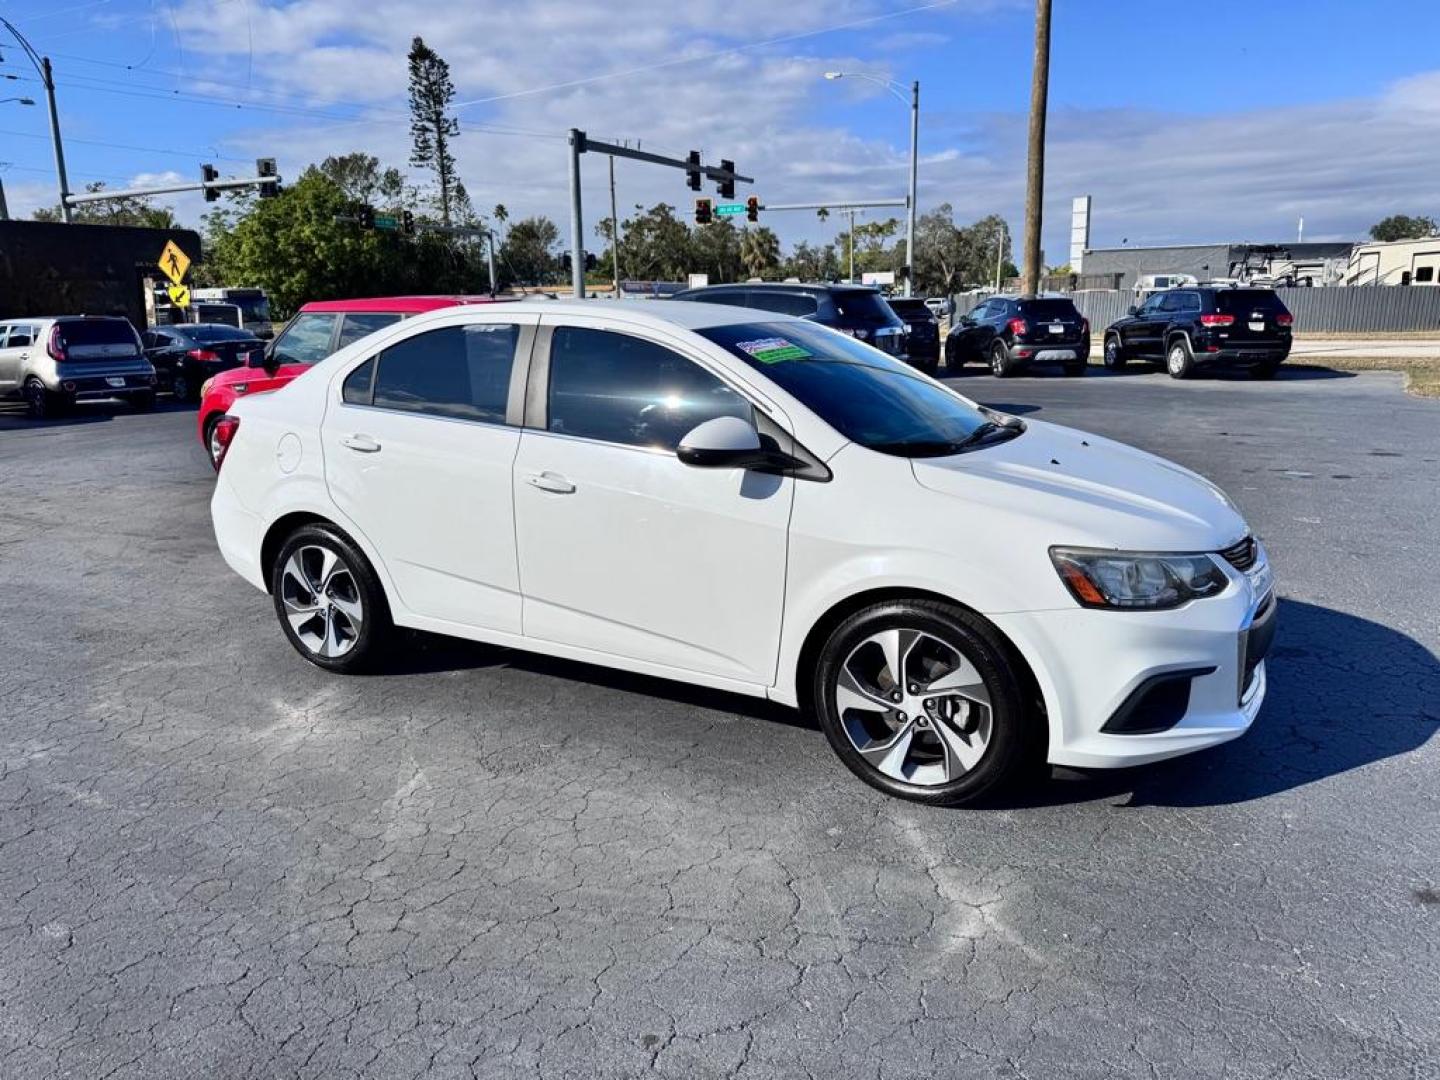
(1221, 122)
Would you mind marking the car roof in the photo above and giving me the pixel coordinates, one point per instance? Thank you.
(784, 286)
(403, 305)
(688, 314)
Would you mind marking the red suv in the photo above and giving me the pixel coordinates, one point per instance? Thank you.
(319, 329)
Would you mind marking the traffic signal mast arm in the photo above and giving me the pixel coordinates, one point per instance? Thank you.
(207, 184)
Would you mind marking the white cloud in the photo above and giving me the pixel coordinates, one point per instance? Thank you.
(1156, 177)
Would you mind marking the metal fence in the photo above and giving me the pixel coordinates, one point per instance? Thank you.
(1337, 310)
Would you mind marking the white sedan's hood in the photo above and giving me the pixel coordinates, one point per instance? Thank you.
(1093, 491)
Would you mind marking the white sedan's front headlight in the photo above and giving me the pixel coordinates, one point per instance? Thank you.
(1136, 580)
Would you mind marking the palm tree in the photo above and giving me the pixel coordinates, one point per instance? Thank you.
(759, 251)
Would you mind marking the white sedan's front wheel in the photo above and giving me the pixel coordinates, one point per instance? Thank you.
(922, 700)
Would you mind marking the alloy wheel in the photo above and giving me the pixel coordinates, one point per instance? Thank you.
(914, 707)
(321, 600)
(1112, 352)
(1176, 359)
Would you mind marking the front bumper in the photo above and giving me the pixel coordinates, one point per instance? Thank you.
(1092, 665)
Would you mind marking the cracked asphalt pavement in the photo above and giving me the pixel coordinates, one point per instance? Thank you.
(218, 861)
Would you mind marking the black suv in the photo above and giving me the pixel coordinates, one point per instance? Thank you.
(859, 310)
(1012, 332)
(1189, 327)
(923, 345)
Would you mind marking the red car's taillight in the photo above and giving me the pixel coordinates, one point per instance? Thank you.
(204, 355)
(1217, 320)
(1284, 319)
(222, 435)
(54, 346)
(1018, 327)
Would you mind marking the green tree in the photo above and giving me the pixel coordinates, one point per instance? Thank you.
(130, 210)
(656, 245)
(715, 251)
(362, 179)
(1403, 227)
(809, 263)
(528, 252)
(293, 248)
(431, 125)
(760, 251)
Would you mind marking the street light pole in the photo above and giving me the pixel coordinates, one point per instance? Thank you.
(896, 90)
(47, 78)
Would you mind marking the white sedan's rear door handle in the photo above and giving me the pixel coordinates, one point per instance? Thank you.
(549, 481)
(363, 444)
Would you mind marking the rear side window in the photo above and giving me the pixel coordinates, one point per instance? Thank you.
(356, 388)
(1424, 273)
(784, 303)
(20, 336)
(1049, 309)
(1241, 301)
(359, 323)
(461, 372)
(81, 333)
(733, 297)
(622, 389)
(307, 339)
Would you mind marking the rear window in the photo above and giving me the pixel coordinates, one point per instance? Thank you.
(217, 332)
(97, 332)
(862, 305)
(1243, 300)
(910, 308)
(1049, 309)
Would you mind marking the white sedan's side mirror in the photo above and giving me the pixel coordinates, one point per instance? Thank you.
(725, 442)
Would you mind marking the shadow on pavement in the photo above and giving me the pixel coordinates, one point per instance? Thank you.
(1344, 692)
(13, 416)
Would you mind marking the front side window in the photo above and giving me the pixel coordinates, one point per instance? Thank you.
(307, 339)
(462, 372)
(358, 324)
(1152, 305)
(866, 396)
(622, 389)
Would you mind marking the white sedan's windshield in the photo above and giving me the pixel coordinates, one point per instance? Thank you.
(865, 395)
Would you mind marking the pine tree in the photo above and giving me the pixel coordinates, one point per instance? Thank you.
(431, 125)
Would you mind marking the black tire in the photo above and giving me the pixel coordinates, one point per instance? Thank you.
(1266, 370)
(182, 388)
(362, 651)
(1072, 370)
(1115, 356)
(952, 361)
(1001, 365)
(1179, 360)
(1015, 741)
(43, 404)
(143, 401)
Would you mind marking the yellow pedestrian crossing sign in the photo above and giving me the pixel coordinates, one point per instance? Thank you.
(179, 295)
(174, 262)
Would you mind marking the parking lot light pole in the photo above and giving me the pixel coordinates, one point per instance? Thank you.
(47, 78)
(898, 91)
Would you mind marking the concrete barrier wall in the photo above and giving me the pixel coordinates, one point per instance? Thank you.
(1333, 310)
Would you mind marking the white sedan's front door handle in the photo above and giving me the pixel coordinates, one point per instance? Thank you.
(552, 482)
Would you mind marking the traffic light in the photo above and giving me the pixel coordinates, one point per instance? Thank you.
(366, 215)
(566, 263)
(703, 214)
(752, 208)
(692, 170)
(727, 186)
(209, 173)
(589, 261)
(407, 223)
(265, 166)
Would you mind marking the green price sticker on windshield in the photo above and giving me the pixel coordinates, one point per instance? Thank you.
(773, 350)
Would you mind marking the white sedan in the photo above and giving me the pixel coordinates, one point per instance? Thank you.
(760, 504)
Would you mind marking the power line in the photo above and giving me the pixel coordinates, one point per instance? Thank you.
(196, 154)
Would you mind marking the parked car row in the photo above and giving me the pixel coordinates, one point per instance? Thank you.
(51, 362)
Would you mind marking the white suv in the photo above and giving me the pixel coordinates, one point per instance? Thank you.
(761, 504)
(53, 362)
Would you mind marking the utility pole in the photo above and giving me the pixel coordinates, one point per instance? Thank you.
(999, 255)
(1035, 179)
(4, 209)
(577, 243)
(914, 158)
(615, 230)
(851, 245)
